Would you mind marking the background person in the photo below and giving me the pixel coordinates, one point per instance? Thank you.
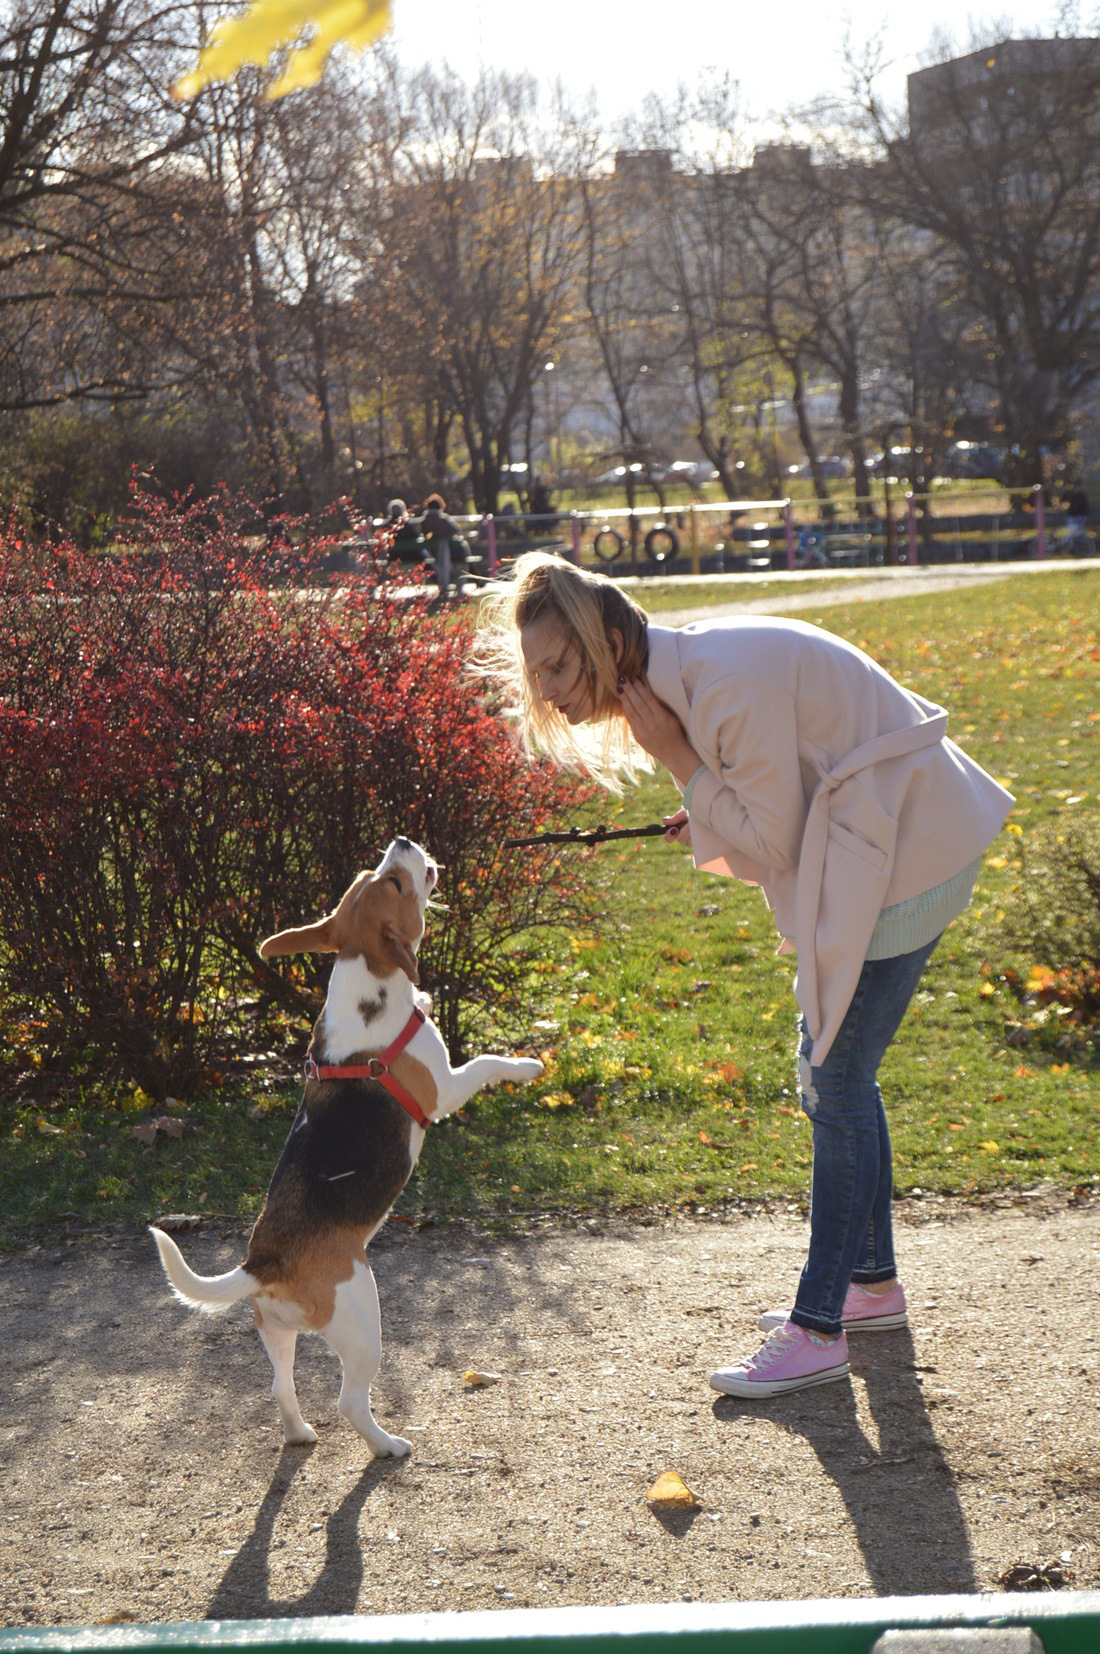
(1077, 511)
(445, 544)
(804, 768)
(399, 537)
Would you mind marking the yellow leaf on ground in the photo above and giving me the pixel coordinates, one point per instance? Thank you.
(671, 1491)
(478, 1381)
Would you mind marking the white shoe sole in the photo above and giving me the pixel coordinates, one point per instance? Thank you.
(733, 1383)
(773, 1318)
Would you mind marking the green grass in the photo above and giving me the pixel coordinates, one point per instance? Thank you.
(670, 1042)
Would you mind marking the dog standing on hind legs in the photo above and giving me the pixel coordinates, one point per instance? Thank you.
(377, 1073)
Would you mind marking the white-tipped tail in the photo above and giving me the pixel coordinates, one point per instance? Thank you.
(208, 1292)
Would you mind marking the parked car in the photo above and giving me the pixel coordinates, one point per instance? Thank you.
(973, 459)
(693, 471)
(831, 465)
(645, 472)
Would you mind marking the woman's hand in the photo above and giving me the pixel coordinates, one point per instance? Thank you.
(677, 830)
(658, 730)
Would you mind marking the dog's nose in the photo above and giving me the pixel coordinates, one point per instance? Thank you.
(403, 843)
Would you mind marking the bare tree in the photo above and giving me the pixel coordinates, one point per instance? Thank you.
(1001, 164)
(627, 316)
(85, 120)
(695, 263)
(476, 235)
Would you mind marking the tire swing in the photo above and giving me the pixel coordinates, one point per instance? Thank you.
(608, 543)
(662, 543)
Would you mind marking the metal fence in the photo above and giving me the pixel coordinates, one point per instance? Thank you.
(731, 536)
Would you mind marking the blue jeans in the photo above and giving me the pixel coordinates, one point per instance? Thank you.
(851, 1228)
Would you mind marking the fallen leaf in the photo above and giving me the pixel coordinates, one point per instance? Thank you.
(169, 1126)
(1036, 1576)
(145, 1132)
(478, 1381)
(672, 1492)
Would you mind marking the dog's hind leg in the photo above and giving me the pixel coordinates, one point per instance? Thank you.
(279, 1343)
(355, 1334)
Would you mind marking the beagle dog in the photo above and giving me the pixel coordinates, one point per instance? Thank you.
(377, 1073)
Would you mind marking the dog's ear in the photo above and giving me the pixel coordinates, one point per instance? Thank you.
(318, 938)
(400, 952)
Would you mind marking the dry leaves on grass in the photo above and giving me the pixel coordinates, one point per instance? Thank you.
(166, 1124)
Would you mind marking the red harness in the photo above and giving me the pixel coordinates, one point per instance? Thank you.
(378, 1068)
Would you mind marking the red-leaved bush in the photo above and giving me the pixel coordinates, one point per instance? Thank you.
(203, 738)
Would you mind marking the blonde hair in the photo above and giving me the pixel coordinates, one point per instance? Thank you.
(588, 608)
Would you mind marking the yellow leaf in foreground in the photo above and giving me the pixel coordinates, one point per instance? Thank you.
(671, 1491)
(990, 1147)
(270, 26)
(478, 1381)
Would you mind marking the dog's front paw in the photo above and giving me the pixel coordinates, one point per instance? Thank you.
(528, 1068)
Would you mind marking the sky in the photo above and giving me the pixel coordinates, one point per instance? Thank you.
(782, 54)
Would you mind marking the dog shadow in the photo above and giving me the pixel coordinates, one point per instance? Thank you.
(244, 1591)
(901, 1494)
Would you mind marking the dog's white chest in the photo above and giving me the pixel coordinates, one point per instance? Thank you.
(362, 1011)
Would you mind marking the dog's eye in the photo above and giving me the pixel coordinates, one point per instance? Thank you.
(393, 879)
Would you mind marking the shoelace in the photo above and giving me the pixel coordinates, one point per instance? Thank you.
(776, 1345)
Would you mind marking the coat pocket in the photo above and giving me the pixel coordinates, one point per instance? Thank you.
(842, 838)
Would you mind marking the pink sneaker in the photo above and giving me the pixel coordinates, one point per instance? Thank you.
(862, 1312)
(788, 1360)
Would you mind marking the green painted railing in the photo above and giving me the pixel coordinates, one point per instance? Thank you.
(1066, 1623)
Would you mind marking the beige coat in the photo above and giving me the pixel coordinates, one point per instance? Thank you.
(831, 786)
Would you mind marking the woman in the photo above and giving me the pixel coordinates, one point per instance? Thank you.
(804, 768)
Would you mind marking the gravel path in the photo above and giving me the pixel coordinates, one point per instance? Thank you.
(146, 1480)
(145, 1477)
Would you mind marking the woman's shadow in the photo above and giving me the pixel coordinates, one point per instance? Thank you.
(244, 1591)
(901, 1494)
